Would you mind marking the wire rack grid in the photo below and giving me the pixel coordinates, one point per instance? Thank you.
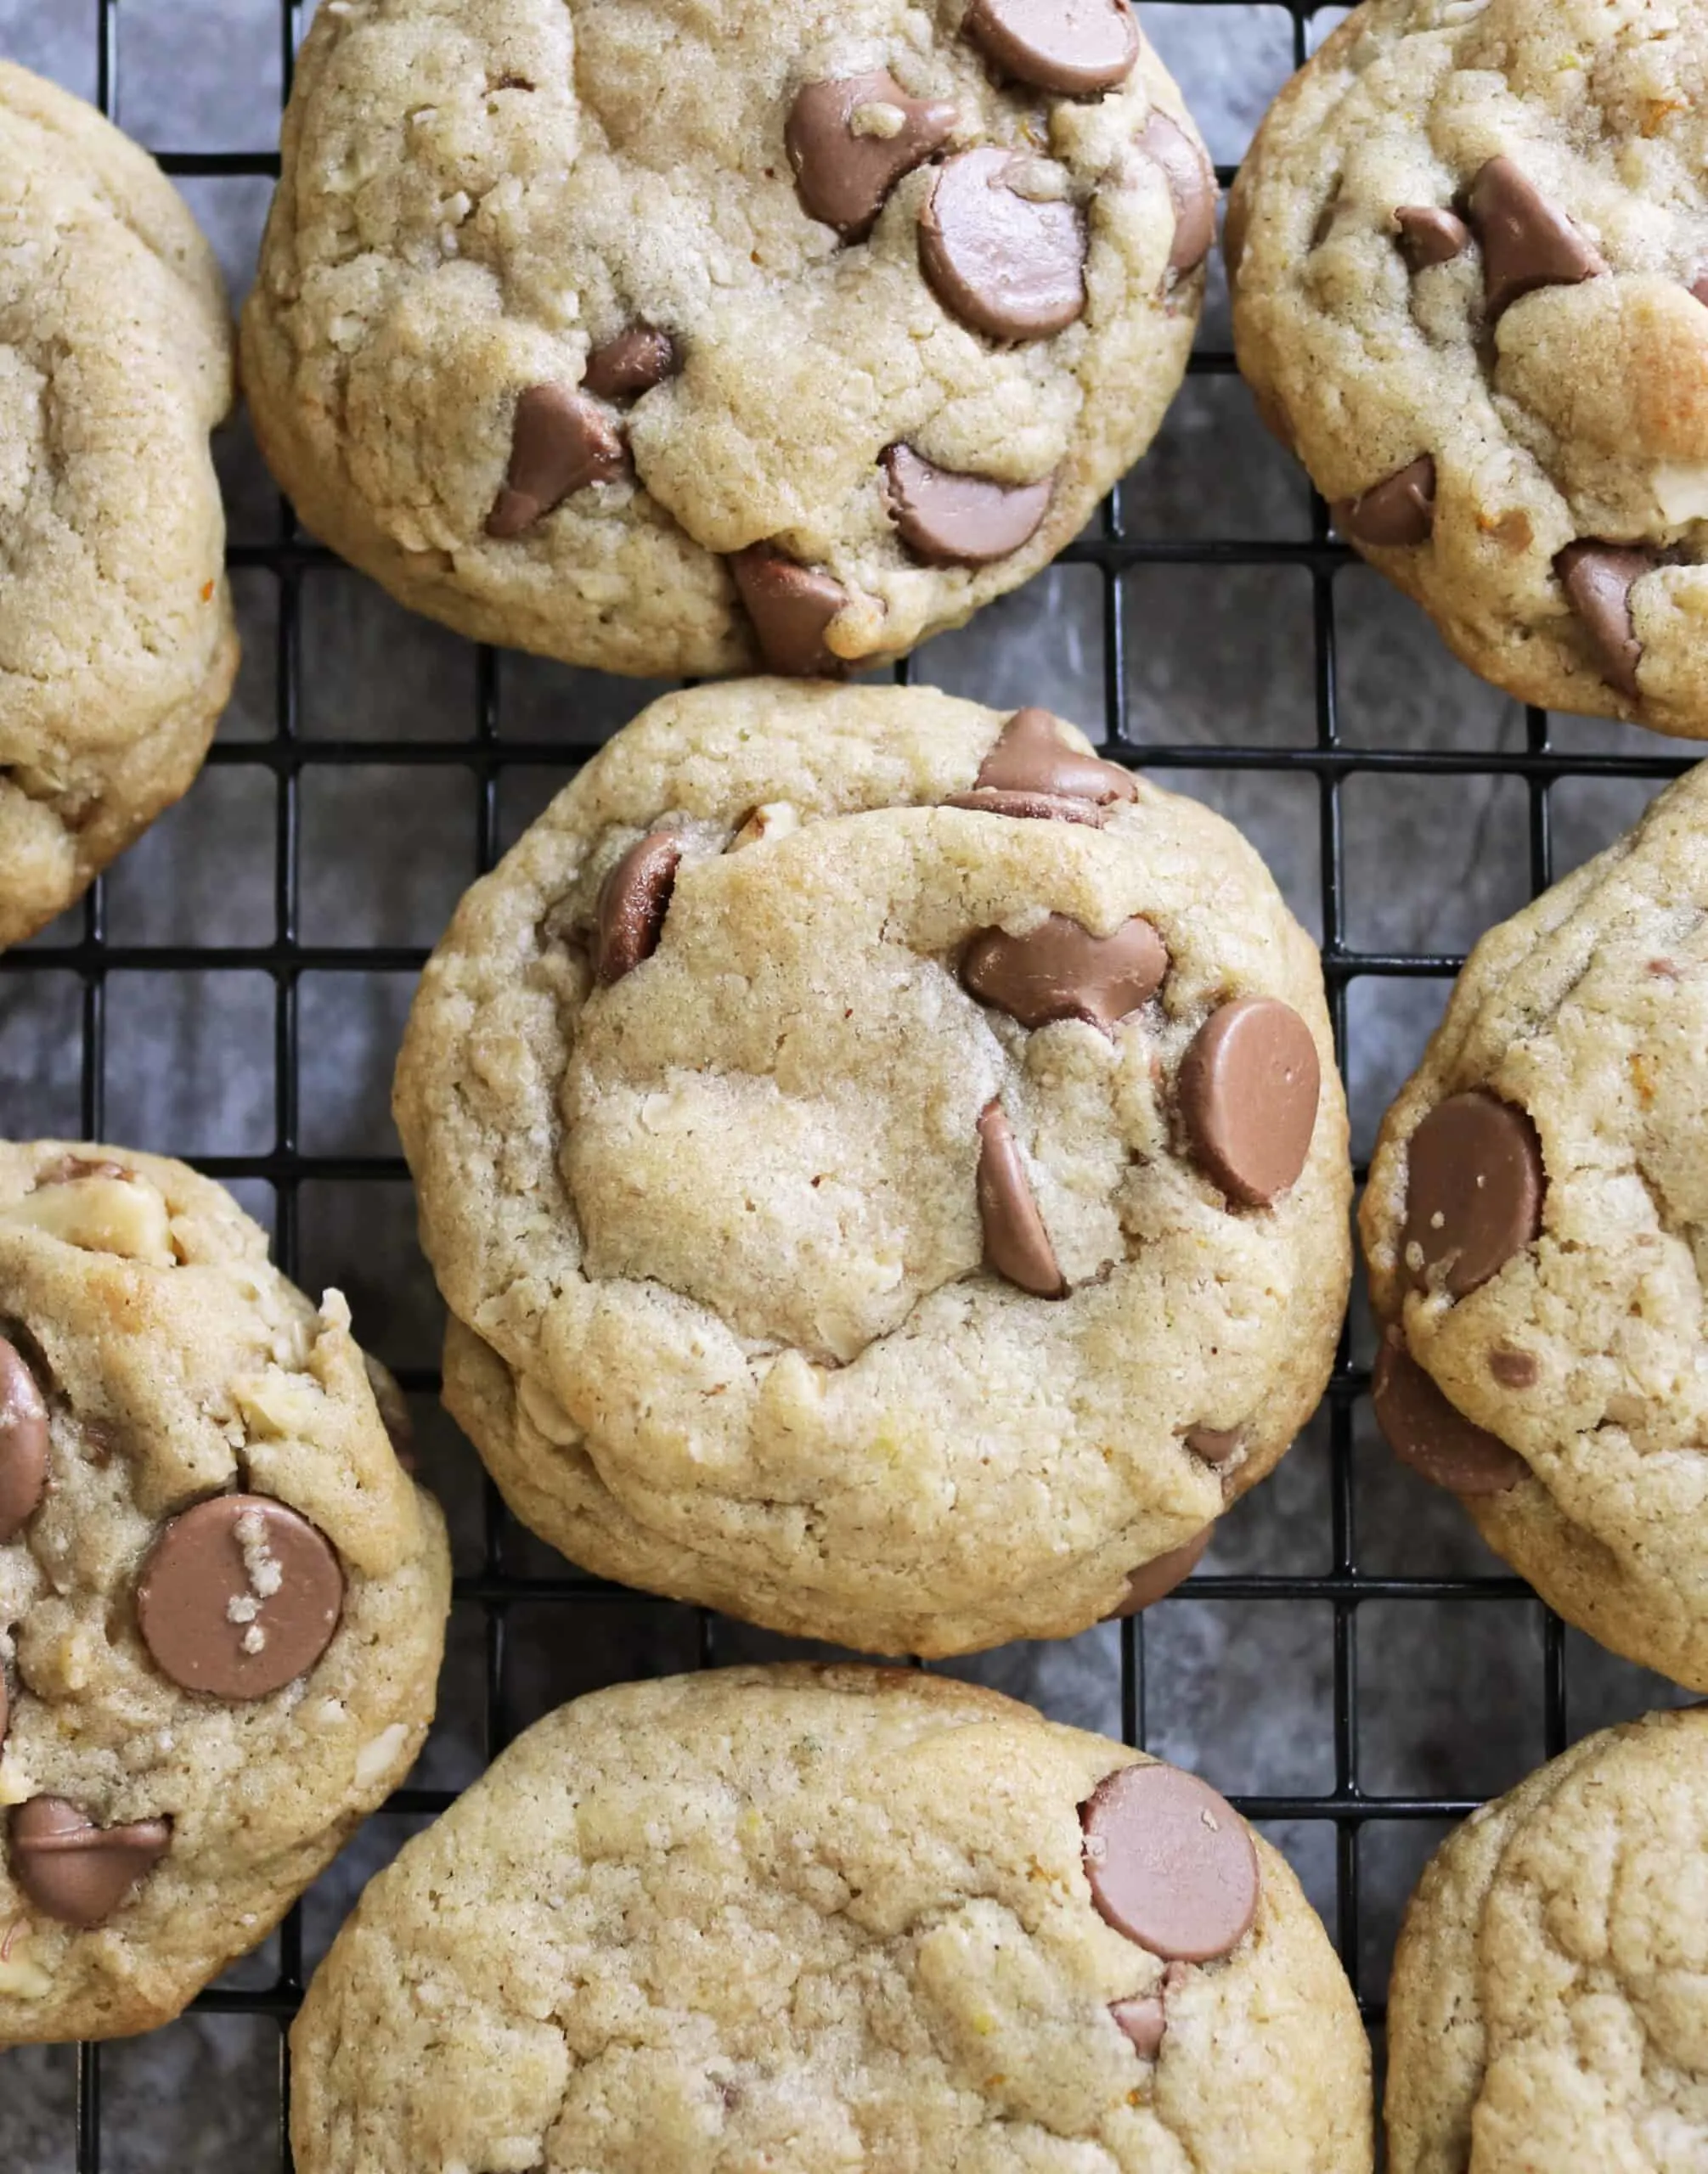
(1327, 763)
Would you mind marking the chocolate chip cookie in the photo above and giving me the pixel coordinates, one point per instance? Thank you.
(669, 339)
(221, 1600)
(804, 1918)
(116, 646)
(886, 1165)
(1470, 250)
(1545, 2008)
(1532, 1225)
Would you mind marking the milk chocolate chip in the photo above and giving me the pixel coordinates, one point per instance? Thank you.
(1191, 184)
(1008, 265)
(632, 363)
(1249, 1088)
(1215, 1445)
(238, 1596)
(1527, 243)
(1474, 1192)
(1038, 807)
(1513, 1369)
(1154, 1580)
(561, 442)
(23, 1441)
(633, 902)
(790, 606)
(851, 140)
(1017, 1244)
(1392, 514)
(74, 1871)
(1598, 579)
(950, 519)
(1061, 970)
(1428, 235)
(1031, 756)
(1427, 1432)
(1171, 1864)
(1072, 46)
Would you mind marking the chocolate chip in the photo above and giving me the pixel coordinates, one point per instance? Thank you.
(23, 1441)
(1427, 1432)
(1003, 263)
(1474, 1192)
(1154, 1580)
(950, 519)
(1030, 755)
(790, 606)
(72, 1169)
(238, 1596)
(851, 140)
(632, 363)
(1393, 514)
(1145, 2022)
(1598, 579)
(1527, 243)
(1513, 1369)
(1699, 287)
(1171, 1864)
(633, 902)
(1072, 46)
(1017, 1244)
(560, 441)
(1191, 184)
(1036, 807)
(5, 1709)
(1430, 236)
(1215, 1445)
(1249, 1087)
(74, 1871)
(1061, 970)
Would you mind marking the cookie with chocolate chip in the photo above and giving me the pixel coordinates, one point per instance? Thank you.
(804, 1918)
(1530, 1227)
(673, 345)
(886, 1165)
(1470, 252)
(222, 1599)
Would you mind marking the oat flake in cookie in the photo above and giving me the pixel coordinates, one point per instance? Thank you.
(1469, 248)
(221, 1600)
(885, 1166)
(801, 1919)
(1533, 1225)
(668, 338)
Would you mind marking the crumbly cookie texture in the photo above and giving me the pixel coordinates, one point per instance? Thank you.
(117, 649)
(1546, 2005)
(1471, 258)
(801, 1919)
(890, 1183)
(1533, 1225)
(222, 1599)
(665, 337)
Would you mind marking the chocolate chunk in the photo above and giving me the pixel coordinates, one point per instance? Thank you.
(1072, 46)
(1017, 1244)
(1513, 1369)
(74, 1871)
(1145, 2022)
(1000, 261)
(1037, 807)
(23, 1441)
(1060, 971)
(1527, 243)
(1474, 1192)
(1215, 1445)
(1398, 512)
(633, 902)
(951, 520)
(1428, 235)
(1154, 1580)
(851, 140)
(1030, 755)
(238, 1596)
(559, 443)
(1170, 1863)
(1191, 184)
(1598, 579)
(790, 606)
(1427, 1432)
(1249, 1088)
(632, 363)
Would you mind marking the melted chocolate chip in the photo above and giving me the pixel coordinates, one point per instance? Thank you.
(1249, 1088)
(949, 519)
(1003, 263)
(791, 606)
(1171, 1864)
(1527, 243)
(844, 170)
(1033, 807)
(1430, 236)
(1061, 970)
(1598, 578)
(561, 441)
(632, 363)
(1030, 755)
(1393, 513)
(633, 902)
(23, 1441)
(1017, 1244)
(1474, 1192)
(1215, 1445)
(1426, 1432)
(75, 1871)
(238, 1596)
(1513, 1369)
(1071, 47)
(1191, 184)
(1145, 2022)
(1156, 1579)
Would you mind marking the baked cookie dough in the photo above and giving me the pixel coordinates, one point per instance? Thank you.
(801, 1918)
(1546, 2004)
(673, 340)
(222, 1600)
(1533, 1224)
(1470, 248)
(117, 649)
(886, 1165)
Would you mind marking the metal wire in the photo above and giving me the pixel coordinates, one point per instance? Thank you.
(486, 753)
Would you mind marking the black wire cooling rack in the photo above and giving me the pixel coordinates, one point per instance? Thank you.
(1327, 761)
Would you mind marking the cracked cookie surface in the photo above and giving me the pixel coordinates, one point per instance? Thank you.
(1468, 252)
(803, 1919)
(117, 649)
(222, 1599)
(886, 1165)
(676, 335)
